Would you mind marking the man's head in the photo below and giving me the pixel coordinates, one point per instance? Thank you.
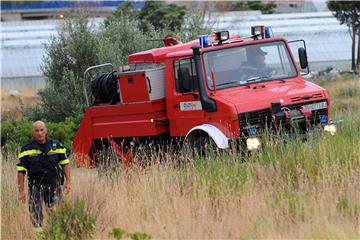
(39, 131)
(259, 56)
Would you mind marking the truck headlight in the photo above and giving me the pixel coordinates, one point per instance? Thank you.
(331, 128)
(252, 143)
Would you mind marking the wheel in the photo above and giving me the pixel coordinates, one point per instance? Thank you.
(201, 145)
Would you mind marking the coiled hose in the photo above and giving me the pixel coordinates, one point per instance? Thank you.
(104, 87)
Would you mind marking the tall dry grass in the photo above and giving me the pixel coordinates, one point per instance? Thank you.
(166, 202)
(294, 190)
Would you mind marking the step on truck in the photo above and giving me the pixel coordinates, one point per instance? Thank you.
(216, 88)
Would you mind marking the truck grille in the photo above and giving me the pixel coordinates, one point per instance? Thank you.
(262, 118)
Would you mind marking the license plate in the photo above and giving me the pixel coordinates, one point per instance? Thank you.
(315, 106)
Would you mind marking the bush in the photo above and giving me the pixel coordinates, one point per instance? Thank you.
(70, 222)
(15, 133)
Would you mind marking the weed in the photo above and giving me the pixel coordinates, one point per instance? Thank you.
(70, 222)
(120, 234)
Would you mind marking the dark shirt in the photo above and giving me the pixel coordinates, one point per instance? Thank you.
(42, 162)
(252, 69)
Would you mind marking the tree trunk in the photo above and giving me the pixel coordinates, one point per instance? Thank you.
(358, 51)
(353, 38)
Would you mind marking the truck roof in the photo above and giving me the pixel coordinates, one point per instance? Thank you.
(158, 54)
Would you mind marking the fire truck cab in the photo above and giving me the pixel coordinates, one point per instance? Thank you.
(220, 88)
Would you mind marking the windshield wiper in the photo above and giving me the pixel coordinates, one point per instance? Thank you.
(255, 79)
(233, 83)
(249, 81)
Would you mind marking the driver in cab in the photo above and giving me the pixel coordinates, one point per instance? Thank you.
(255, 66)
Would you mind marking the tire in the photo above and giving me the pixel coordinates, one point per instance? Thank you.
(201, 145)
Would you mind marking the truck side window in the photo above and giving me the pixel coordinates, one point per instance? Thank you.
(185, 76)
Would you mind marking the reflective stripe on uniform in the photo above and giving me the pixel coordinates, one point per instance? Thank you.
(59, 150)
(21, 168)
(29, 153)
(63, 162)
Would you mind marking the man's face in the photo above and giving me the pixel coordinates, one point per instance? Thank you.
(260, 59)
(39, 131)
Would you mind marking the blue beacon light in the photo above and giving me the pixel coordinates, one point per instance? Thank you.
(204, 41)
(267, 32)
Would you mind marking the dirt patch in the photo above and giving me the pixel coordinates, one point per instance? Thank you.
(13, 102)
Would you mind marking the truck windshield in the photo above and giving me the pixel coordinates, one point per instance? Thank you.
(247, 64)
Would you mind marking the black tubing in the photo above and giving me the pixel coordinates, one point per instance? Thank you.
(104, 86)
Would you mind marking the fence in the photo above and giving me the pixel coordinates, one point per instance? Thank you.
(328, 43)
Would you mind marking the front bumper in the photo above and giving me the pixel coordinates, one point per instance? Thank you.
(254, 142)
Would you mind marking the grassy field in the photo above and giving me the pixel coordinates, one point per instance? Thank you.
(294, 190)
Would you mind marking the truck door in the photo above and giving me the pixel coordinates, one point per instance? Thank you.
(183, 99)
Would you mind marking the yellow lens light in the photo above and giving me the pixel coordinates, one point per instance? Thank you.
(252, 143)
(331, 128)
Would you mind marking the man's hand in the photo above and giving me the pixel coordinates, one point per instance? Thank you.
(21, 180)
(22, 196)
(273, 72)
(67, 187)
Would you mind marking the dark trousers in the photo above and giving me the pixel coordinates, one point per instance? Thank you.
(49, 194)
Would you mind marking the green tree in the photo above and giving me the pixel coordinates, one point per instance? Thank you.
(348, 12)
(161, 16)
(193, 26)
(264, 7)
(122, 36)
(78, 46)
(127, 9)
(67, 57)
(123, 31)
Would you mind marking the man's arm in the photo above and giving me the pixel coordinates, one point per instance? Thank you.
(67, 185)
(21, 180)
(21, 168)
(64, 162)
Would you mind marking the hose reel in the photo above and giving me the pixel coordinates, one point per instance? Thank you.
(104, 86)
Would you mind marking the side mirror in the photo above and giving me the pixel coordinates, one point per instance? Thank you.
(303, 57)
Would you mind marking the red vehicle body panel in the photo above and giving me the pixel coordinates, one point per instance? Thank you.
(127, 87)
(115, 121)
(261, 94)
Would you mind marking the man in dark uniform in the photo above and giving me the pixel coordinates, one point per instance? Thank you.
(255, 65)
(44, 160)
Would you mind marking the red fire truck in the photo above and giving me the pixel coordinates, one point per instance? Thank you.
(220, 89)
